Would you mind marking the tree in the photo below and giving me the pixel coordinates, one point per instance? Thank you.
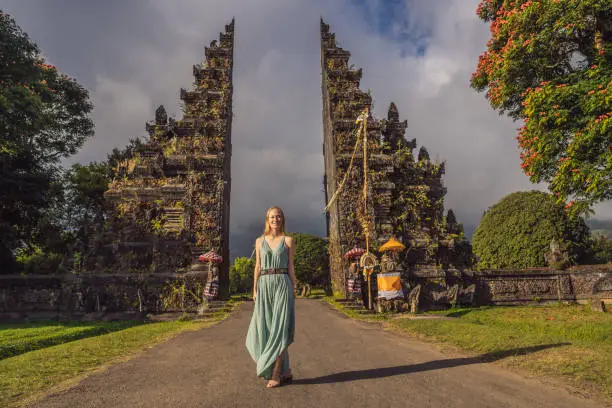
(548, 63)
(241, 275)
(601, 249)
(452, 226)
(518, 230)
(311, 261)
(83, 214)
(44, 117)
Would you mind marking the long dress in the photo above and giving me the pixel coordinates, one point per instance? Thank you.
(272, 325)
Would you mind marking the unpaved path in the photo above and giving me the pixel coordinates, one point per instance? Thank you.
(337, 362)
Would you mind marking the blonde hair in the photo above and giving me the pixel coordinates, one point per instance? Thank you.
(267, 228)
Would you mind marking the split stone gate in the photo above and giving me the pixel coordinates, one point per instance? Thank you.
(170, 201)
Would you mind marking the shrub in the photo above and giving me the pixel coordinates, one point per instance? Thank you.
(601, 249)
(35, 261)
(517, 232)
(311, 259)
(241, 275)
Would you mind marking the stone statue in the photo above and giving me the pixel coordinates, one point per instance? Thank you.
(413, 299)
(354, 281)
(211, 290)
(387, 262)
(556, 258)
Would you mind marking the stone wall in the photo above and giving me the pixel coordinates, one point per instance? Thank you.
(77, 296)
(443, 288)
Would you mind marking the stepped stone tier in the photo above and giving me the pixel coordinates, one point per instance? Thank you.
(170, 201)
(406, 193)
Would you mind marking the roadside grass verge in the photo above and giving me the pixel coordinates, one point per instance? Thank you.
(19, 338)
(26, 377)
(569, 342)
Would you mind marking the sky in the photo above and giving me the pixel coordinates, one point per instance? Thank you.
(134, 55)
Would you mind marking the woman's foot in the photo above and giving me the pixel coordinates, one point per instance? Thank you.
(275, 380)
(273, 383)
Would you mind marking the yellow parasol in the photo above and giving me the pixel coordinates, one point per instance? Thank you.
(392, 245)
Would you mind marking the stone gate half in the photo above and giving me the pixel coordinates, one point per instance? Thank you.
(406, 194)
(170, 201)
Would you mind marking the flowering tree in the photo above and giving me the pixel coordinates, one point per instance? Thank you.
(44, 116)
(548, 63)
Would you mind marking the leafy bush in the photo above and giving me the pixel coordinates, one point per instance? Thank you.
(601, 249)
(517, 232)
(36, 261)
(311, 259)
(241, 275)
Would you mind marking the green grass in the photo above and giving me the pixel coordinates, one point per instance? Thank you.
(377, 317)
(564, 341)
(17, 339)
(25, 377)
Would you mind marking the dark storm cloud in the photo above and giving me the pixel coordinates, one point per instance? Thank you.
(93, 38)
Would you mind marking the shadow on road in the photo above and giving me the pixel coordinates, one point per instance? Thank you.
(415, 368)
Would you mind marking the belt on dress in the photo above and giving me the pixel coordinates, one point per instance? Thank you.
(274, 271)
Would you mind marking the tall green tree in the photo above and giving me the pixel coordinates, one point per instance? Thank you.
(241, 275)
(83, 206)
(44, 117)
(549, 64)
(311, 260)
(75, 212)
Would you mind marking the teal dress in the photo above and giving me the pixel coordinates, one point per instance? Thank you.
(272, 326)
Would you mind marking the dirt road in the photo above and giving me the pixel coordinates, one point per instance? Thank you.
(337, 362)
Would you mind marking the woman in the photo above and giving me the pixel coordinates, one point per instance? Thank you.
(273, 323)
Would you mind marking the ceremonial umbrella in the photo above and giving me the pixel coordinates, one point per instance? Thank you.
(392, 245)
(354, 253)
(211, 256)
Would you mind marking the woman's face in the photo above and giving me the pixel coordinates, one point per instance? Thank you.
(275, 218)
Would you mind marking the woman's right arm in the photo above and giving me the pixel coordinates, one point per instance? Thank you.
(257, 267)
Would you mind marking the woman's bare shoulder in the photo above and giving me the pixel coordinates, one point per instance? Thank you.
(288, 240)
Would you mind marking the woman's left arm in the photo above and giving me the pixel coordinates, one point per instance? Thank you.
(291, 246)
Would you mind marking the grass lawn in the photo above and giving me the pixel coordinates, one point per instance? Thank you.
(40, 356)
(563, 341)
(19, 338)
